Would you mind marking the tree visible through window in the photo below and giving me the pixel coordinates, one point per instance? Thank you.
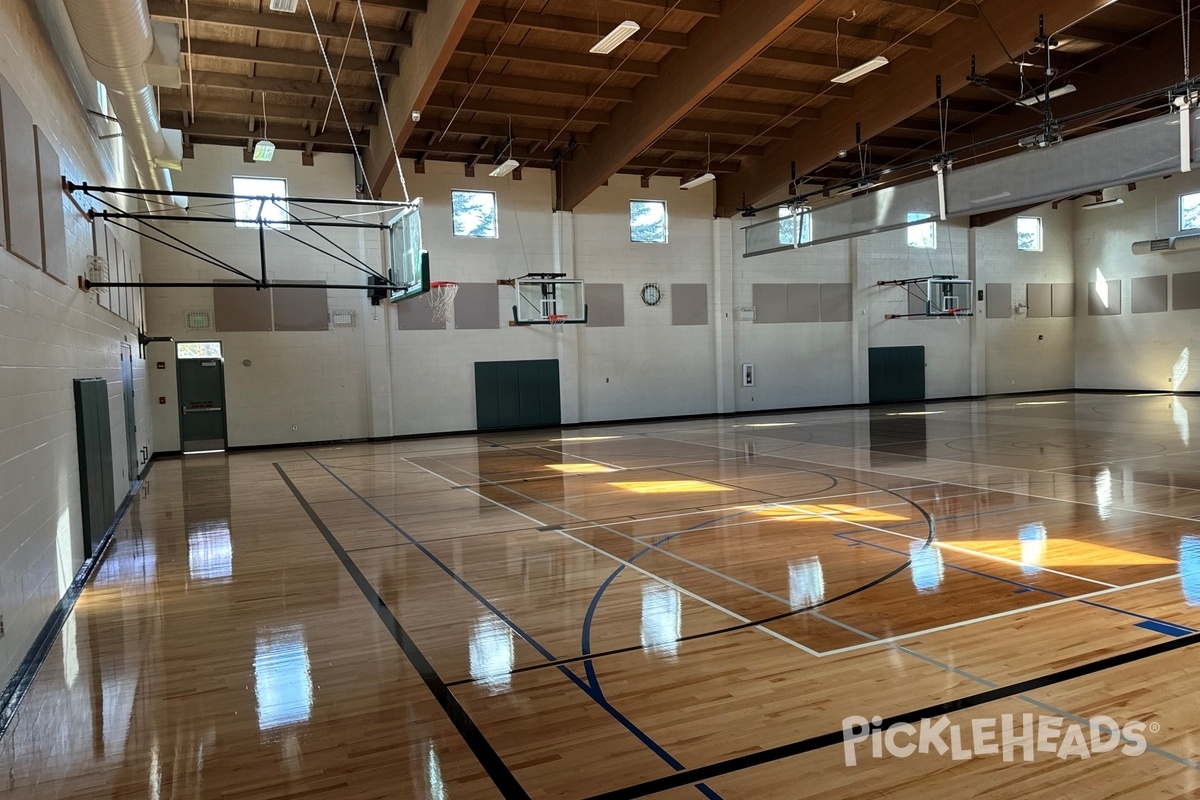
(922, 235)
(1189, 212)
(787, 231)
(198, 349)
(1029, 234)
(648, 221)
(474, 214)
(274, 213)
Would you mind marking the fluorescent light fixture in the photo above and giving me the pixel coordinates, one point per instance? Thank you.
(505, 168)
(694, 182)
(857, 186)
(1034, 99)
(286, 6)
(1116, 201)
(263, 150)
(616, 38)
(862, 69)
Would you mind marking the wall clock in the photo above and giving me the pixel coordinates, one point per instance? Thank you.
(651, 294)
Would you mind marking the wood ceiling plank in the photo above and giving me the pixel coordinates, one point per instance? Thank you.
(226, 80)
(866, 33)
(532, 110)
(291, 58)
(707, 8)
(277, 23)
(563, 58)
(575, 25)
(432, 124)
(279, 133)
(238, 108)
(579, 91)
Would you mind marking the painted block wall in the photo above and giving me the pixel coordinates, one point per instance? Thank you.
(51, 333)
(1144, 352)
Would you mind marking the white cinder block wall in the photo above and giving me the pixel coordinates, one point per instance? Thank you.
(51, 333)
(1134, 351)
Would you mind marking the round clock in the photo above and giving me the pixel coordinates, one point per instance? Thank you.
(651, 294)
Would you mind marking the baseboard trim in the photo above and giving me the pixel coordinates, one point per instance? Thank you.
(27, 670)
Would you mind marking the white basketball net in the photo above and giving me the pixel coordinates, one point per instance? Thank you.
(440, 298)
(557, 322)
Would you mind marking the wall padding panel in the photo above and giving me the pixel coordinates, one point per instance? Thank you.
(239, 309)
(1096, 308)
(477, 306)
(300, 309)
(416, 315)
(1148, 294)
(836, 302)
(53, 223)
(804, 302)
(1040, 300)
(21, 179)
(3, 182)
(997, 299)
(1062, 299)
(770, 302)
(606, 305)
(689, 303)
(1185, 291)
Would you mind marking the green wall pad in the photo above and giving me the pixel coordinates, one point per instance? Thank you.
(897, 374)
(517, 394)
(94, 436)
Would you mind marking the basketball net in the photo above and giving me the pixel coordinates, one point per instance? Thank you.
(440, 298)
(557, 322)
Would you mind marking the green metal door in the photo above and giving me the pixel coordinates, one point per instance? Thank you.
(201, 404)
(131, 452)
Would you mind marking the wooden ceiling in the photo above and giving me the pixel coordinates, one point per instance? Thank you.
(740, 88)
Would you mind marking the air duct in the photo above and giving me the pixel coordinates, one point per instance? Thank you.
(1170, 244)
(127, 53)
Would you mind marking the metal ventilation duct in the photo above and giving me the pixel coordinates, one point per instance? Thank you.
(122, 51)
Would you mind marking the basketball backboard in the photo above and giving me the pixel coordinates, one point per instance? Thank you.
(539, 297)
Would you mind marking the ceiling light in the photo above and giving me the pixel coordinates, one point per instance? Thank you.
(263, 150)
(1034, 99)
(694, 182)
(857, 186)
(505, 168)
(1116, 201)
(613, 40)
(862, 69)
(287, 6)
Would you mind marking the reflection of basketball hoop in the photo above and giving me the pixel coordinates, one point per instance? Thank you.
(440, 298)
(557, 321)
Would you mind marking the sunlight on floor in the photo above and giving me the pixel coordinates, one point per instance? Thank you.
(1057, 553)
(581, 469)
(826, 511)
(669, 487)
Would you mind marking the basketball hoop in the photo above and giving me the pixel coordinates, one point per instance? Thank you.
(958, 313)
(440, 298)
(557, 321)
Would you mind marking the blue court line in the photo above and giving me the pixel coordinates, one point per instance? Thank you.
(1185, 630)
(1164, 628)
(594, 694)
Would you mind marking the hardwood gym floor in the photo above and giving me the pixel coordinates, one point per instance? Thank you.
(670, 610)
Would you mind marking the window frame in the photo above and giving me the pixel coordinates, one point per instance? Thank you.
(1183, 197)
(495, 212)
(1041, 234)
(921, 220)
(806, 226)
(666, 222)
(281, 224)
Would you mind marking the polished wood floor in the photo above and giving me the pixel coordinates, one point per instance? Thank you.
(672, 610)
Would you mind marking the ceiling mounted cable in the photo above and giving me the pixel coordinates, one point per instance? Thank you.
(366, 185)
(264, 148)
(383, 107)
(482, 69)
(338, 76)
(187, 26)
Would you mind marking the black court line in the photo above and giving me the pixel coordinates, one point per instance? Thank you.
(496, 769)
(763, 757)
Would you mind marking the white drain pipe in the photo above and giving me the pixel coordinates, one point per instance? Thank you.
(117, 40)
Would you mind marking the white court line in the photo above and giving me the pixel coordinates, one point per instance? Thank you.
(634, 567)
(1011, 612)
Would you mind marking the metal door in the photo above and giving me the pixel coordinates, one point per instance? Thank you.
(131, 448)
(201, 404)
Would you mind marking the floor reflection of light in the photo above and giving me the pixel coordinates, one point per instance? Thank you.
(1033, 546)
(1058, 553)
(767, 425)
(581, 469)
(70, 650)
(282, 679)
(433, 771)
(662, 618)
(928, 569)
(835, 512)
(586, 439)
(1104, 493)
(492, 654)
(1179, 372)
(210, 552)
(1189, 568)
(914, 413)
(1179, 416)
(669, 487)
(806, 583)
(1043, 403)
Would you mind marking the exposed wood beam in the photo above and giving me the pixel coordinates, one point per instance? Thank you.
(717, 50)
(438, 33)
(279, 133)
(226, 80)
(584, 26)
(866, 33)
(561, 58)
(526, 155)
(506, 108)
(435, 126)
(579, 91)
(792, 86)
(719, 150)
(242, 108)
(419, 6)
(953, 8)
(707, 8)
(687, 165)
(818, 60)
(274, 23)
(887, 103)
(731, 129)
(291, 58)
(774, 110)
(1166, 8)
(1090, 33)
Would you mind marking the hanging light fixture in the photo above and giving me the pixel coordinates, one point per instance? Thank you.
(264, 148)
(707, 176)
